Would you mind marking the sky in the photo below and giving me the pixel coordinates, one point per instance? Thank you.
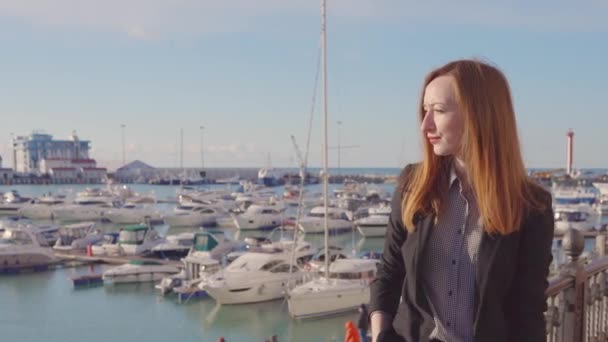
(245, 71)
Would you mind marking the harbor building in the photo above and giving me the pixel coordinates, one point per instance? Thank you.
(29, 151)
(6, 175)
(57, 161)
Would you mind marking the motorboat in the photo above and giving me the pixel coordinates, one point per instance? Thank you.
(139, 271)
(313, 222)
(12, 202)
(375, 224)
(42, 208)
(209, 250)
(84, 211)
(21, 248)
(76, 237)
(253, 277)
(132, 213)
(132, 240)
(577, 216)
(107, 245)
(259, 217)
(193, 216)
(345, 290)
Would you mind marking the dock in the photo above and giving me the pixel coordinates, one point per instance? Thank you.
(586, 234)
(113, 260)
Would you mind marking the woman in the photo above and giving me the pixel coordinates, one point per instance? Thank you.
(468, 246)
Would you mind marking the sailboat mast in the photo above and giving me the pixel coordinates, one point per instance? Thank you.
(325, 146)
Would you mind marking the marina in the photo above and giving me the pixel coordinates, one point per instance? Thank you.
(78, 285)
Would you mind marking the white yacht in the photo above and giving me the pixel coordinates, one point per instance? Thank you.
(42, 207)
(12, 202)
(139, 271)
(253, 277)
(345, 290)
(259, 217)
(375, 224)
(21, 248)
(193, 215)
(574, 191)
(85, 211)
(132, 213)
(313, 222)
(89, 205)
(581, 216)
(76, 237)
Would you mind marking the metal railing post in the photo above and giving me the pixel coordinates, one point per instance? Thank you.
(573, 326)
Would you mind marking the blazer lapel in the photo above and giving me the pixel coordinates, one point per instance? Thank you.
(485, 258)
(423, 230)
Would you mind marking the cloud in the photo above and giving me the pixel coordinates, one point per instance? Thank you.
(153, 19)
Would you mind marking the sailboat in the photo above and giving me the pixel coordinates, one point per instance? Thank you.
(344, 285)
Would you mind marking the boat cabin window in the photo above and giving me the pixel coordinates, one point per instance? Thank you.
(15, 237)
(205, 210)
(282, 268)
(575, 216)
(73, 232)
(304, 248)
(270, 265)
(201, 240)
(131, 237)
(352, 275)
(185, 242)
(269, 211)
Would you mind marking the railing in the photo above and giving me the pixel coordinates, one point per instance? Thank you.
(578, 297)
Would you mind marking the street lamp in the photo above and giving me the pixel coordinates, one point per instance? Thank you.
(122, 127)
(202, 151)
(339, 124)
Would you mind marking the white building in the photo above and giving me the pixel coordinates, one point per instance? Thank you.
(64, 175)
(91, 175)
(134, 172)
(29, 151)
(46, 164)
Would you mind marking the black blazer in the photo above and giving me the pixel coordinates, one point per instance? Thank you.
(511, 276)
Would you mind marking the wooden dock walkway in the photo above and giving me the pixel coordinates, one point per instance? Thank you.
(114, 260)
(586, 234)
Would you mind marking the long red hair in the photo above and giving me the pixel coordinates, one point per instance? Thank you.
(490, 150)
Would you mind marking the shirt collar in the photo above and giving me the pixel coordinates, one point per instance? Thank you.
(453, 175)
(463, 186)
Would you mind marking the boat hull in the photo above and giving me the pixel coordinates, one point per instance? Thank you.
(325, 303)
(248, 293)
(15, 261)
(372, 230)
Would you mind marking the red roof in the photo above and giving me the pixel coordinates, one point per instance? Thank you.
(76, 161)
(94, 168)
(63, 169)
